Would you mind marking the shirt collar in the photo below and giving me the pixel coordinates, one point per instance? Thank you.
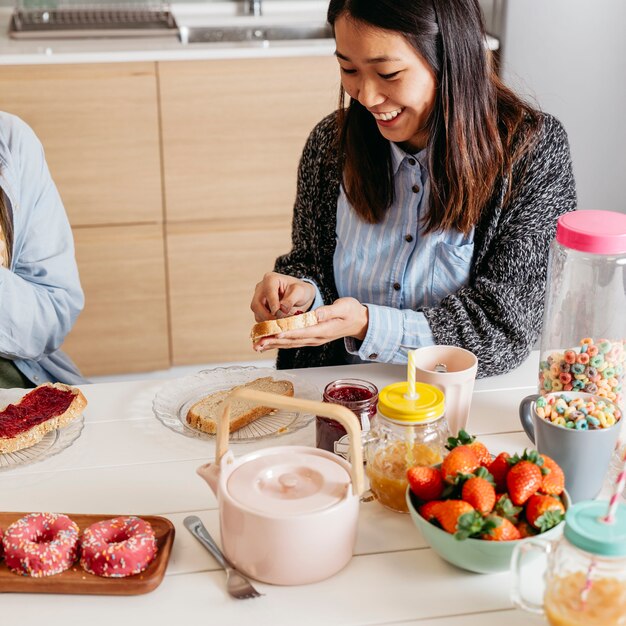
(398, 155)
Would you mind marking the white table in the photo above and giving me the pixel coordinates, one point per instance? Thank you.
(125, 461)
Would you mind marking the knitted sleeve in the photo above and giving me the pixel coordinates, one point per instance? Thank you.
(313, 236)
(498, 315)
(314, 213)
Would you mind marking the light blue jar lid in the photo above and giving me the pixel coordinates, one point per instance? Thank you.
(585, 529)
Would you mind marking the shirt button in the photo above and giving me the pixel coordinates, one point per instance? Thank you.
(396, 286)
(415, 188)
(411, 161)
(373, 356)
(409, 238)
(35, 378)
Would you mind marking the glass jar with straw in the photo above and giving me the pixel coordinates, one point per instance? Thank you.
(408, 429)
(585, 583)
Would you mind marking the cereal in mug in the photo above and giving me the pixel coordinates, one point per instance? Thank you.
(594, 367)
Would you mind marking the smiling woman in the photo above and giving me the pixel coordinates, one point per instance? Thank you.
(425, 204)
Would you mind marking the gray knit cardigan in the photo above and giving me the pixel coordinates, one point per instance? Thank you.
(498, 315)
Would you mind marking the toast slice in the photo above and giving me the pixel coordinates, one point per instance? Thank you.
(203, 415)
(273, 327)
(45, 408)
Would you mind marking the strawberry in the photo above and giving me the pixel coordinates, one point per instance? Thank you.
(554, 480)
(426, 482)
(499, 468)
(461, 460)
(544, 512)
(449, 512)
(427, 511)
(525, 476)
(464, 439)
(505, 508)
(525, 529)
(500, 529)
(480, 493)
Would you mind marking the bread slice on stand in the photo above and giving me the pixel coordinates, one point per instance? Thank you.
(273, 327)
(45, 408)
(203, 415)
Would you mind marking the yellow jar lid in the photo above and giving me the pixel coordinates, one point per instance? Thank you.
(393, 403)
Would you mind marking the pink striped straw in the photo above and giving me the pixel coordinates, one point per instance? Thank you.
(584, 594)
(609, 518)
(619, 487)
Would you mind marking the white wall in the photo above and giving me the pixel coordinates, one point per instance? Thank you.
(570, 56)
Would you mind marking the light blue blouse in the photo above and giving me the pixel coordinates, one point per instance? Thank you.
(395, 268)
(40, 295)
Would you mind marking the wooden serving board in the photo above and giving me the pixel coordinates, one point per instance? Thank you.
(77, 581)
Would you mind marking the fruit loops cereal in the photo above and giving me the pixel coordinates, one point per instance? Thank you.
(595, 367)
(578, 413)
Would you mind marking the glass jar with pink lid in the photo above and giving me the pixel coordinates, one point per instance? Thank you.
(583, 340)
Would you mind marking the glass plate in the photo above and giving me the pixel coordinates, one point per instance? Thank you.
(53, 442)
(173, 401)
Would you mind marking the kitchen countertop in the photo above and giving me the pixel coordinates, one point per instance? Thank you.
(169, 47)
(125, 461)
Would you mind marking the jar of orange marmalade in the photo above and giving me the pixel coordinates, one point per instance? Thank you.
(585, 578)
(404, 432)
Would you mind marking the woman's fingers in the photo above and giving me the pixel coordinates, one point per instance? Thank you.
(312, 336)
(278, 295)
(266, 298)
(298, 296)
(346, 317)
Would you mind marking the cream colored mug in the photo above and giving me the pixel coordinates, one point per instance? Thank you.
(453, 370)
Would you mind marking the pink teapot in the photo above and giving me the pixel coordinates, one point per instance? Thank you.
(288, 514)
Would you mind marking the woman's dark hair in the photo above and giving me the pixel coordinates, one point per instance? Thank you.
(477, 129)
(6, 228)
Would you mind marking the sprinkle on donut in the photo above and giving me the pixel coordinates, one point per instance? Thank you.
(40, 544)
(118, 547)
(1, 547)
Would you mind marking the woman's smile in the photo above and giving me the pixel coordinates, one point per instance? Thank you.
(387, 118)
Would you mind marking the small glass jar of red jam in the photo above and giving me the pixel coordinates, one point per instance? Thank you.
(360, 396)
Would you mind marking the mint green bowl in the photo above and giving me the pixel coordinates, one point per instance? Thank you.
(475, 555)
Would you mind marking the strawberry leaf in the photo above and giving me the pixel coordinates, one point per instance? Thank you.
(469, 525)
(463, 439)
(549, 520)
(505, 508)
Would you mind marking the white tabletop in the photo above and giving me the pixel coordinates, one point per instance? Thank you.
(125, 461)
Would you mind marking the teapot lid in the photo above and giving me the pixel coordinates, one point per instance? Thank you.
(585, 528)
(290, 480)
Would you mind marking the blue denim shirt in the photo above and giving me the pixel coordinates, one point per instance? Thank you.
(395, 268)
(40, 295)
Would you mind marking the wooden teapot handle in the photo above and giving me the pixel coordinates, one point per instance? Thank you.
(336, 412)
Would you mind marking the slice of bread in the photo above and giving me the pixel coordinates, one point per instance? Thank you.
(30, 409)
(273, 327)
(203, 415)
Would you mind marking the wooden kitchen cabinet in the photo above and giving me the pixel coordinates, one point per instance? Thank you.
(99, 127)
(213, 268)
(233, 131)
(179, 179)
(124, 325)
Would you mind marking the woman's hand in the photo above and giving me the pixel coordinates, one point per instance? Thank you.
(278, 295)
(346, 317)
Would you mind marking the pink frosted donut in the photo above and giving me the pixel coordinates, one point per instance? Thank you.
(118, 547)
(40, 544)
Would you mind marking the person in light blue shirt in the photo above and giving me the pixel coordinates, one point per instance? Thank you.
(425, 204)
(40, 292)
